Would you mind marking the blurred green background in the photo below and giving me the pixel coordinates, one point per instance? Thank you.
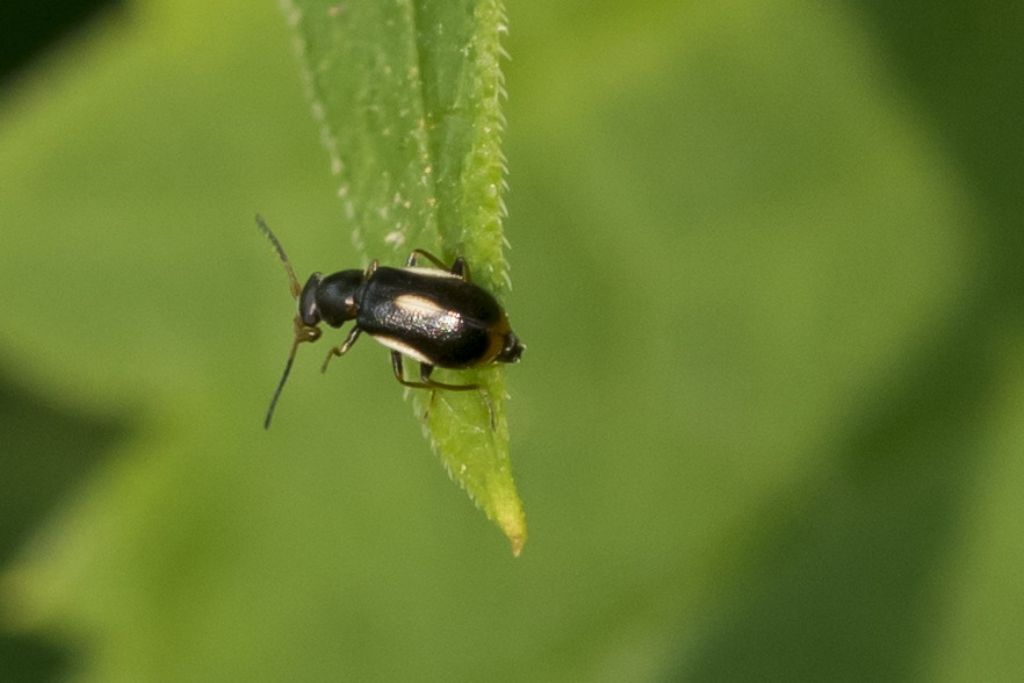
(767, 259)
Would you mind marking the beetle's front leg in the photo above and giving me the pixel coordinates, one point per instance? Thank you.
(342, 348)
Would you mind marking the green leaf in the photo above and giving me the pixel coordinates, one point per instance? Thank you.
(408, 98)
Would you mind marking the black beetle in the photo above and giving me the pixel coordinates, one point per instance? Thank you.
(434, 316)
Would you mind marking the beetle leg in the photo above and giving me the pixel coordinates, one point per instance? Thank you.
(343, 348)
(396, 365)
(413, 257)
(427, 368)
(459, 267)
(426, 382)
(370, 269)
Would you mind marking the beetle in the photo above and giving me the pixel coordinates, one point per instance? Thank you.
(435, 316)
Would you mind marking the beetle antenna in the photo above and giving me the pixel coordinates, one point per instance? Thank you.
(303, 333)
(280, 385)
(293, 281)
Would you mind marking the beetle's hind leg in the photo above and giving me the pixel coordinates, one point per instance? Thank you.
(427, 383)
(459, 267)
(427, 368)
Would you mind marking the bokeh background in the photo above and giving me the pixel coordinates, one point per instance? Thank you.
(767, 258)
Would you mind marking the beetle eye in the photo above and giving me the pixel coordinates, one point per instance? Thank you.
(307, 301)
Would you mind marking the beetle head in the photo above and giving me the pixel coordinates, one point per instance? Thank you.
(336, 296)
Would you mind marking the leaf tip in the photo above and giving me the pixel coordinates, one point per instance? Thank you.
(512, 522)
